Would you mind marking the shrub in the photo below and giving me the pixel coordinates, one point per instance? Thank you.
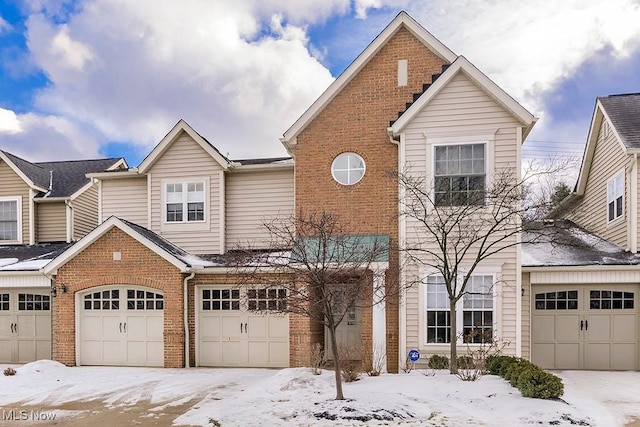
(9, 372)
(504, 364)
(534, 382)
(466, 362)
(516, 369)
(438, 361)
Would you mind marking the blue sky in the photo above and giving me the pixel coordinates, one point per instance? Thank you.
(85, 79)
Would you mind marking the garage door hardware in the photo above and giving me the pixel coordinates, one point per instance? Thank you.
(246, 328)
(584, 323)
(123, 326)
(14, 328)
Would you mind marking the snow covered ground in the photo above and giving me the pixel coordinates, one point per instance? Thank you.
(295, 397)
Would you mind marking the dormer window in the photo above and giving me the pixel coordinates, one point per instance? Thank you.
(615, 192)
(185, 202)
(10, 219)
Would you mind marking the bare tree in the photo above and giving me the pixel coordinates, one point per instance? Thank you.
(317, 270)
(453, 226)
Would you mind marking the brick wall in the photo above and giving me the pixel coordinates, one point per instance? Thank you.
(138, 266)
(356, 120)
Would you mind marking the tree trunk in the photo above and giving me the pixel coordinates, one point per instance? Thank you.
(336, 359)
(453, 337)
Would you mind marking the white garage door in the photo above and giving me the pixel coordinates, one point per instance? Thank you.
(237, 328)
(25, 325)
(585, 327)
(122, 326)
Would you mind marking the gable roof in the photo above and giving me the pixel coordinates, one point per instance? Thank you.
(29, 257)
(402, 20)
(462, 65)
(171, 137)
(623, 112)
(58, 179)
(173, 254)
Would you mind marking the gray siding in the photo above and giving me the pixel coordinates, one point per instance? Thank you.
(125, 198)
(52, 222)
(460, 109)
(608, 159)
(526, 316)
(253, 199)
(85, 212)
(11, 185)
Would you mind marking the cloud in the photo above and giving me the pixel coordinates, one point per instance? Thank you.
(8, 122)
(4, 25)
(131, 72)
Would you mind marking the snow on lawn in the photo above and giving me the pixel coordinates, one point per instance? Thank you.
(256, 397)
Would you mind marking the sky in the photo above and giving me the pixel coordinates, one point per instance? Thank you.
(89, 79)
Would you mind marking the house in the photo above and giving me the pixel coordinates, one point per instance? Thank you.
(43, 208)
(149, 285)
(580, 301)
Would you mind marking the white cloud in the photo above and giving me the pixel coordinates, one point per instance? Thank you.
(8, 122)
(132, 71)
(4, 25)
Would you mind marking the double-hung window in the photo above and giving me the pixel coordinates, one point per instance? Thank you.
(615, 193)
(185, 202)
(459, 174)
(474, 312)
(10, 211)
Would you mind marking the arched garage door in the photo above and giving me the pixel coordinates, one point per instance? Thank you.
(585, 327)
(122, 326)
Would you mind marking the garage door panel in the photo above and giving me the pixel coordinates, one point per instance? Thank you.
(567, 327)
(258, 353)
(624, 356)
(6, 350)
(210, 353)
(257, 327)
(232, 354)
(567, 355)
(625, 327)
(599, 328)
(279, 352)
(231, 327)
(597, 356)
(279, 327)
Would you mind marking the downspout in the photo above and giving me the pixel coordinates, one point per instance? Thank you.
(186, 318)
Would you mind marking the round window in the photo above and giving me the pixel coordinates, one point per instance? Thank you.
(348, 168)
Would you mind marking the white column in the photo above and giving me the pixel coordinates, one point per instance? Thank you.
(379, 318)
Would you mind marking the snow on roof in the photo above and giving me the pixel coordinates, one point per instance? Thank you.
(32, 265)
(7, 261)
(564, 243)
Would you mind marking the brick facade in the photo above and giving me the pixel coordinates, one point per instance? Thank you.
(356, 120)
(139, 266)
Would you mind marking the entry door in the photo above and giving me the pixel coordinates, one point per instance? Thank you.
(348, 335)
(122, 326)
(25, 325)
(585, 327)
(239, 327)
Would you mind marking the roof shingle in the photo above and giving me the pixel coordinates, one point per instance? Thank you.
(624, 112)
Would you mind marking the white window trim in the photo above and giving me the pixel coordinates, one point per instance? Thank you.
(185, 225)
(437, 140)
(364, 170)
(422, 325)
(18, 200)
(619, 174)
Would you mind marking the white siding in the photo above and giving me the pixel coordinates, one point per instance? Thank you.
(126, 199)
(462, 110)
(185, 160)
(85, 212)
(52, 222)
(591, 213)
(526, 316)
(253, 199)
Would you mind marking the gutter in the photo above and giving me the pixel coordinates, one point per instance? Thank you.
(185, 315)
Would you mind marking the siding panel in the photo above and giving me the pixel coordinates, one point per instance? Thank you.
(52, 222)
(252, 199)
(126, 199)
(11, 185)
(85, 212)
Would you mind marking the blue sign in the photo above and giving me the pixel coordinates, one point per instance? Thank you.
(414, 355)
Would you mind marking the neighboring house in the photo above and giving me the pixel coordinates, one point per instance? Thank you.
(581, 301)
(43, 208)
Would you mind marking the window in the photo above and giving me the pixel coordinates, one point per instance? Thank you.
(460, 175)
(474, 311)
(560, 300)
(185, 202)
(615, 191)
(477, 313)
(10, 212)
(611, 300)
(348, 168)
